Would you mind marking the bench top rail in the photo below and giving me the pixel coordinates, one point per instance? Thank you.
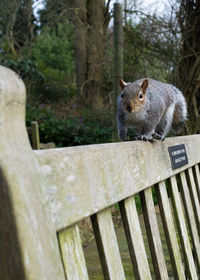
(76, 176)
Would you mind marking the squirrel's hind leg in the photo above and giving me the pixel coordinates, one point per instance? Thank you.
(165, 124)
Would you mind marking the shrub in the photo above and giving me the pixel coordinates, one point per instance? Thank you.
(53, 52)
(70, 132)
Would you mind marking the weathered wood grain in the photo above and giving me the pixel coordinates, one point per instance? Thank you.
(72, 254)
(184, 238)
(107, 245)
(170, 231)
(190, 217)
(197, 179)
(153, 234)
(134, 239)
(194, 196)
(110, 171)
(28, 244)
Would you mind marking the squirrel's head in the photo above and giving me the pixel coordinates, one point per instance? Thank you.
(133, 95)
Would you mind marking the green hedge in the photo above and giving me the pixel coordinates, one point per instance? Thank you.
(83, 130)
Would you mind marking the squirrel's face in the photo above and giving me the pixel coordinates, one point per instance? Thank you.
(133, 96)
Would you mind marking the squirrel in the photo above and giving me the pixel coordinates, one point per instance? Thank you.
(150, 107)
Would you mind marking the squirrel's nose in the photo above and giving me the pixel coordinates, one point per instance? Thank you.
(129, 108)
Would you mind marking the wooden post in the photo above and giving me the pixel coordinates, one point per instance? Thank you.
(118, 60)
(35, 135)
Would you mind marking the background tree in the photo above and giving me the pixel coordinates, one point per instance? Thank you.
(90, 19)
(53, 51)
(151, 44)
(189, 65)
(63, 50)
(8, 15)
(78, 17)
(17, 24)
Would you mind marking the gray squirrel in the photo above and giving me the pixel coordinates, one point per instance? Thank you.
(150, 107)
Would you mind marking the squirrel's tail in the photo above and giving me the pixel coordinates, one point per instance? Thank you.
(180, 112)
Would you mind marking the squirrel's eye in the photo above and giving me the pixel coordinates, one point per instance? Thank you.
(140, 95)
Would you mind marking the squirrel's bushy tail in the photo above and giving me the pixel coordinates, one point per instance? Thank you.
(180, 112)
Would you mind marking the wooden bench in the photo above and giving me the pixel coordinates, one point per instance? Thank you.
(44, 194)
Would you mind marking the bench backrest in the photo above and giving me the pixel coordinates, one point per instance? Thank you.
(44, 195)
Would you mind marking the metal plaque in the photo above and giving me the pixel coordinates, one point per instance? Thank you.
(178, 156)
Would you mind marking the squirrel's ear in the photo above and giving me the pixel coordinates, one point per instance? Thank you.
(144, 85)
(122, 84)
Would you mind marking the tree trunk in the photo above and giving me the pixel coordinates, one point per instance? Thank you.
(189, 67)
(10, 25)
(90, 20)
(30, 27)
(79, 19)
(95, 52)
(118, 60)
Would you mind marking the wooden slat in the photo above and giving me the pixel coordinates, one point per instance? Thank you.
(72, 254)
(153, 234)
(134, 239)
(74, 176)
(194, 196)
(190, 217)
(180, 219)
(107, 245)
(197, 179)
(170, 231)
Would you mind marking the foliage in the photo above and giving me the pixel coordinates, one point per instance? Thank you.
(53, 48)
(17, 25)
(25, 28)
(149, 50)
(188, 72)
(27, 69)
(48, 68)
(53, 52)
(43, 49)
(72, 131)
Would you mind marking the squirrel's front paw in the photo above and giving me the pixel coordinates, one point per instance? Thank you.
(143, 138)
(157, 136)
